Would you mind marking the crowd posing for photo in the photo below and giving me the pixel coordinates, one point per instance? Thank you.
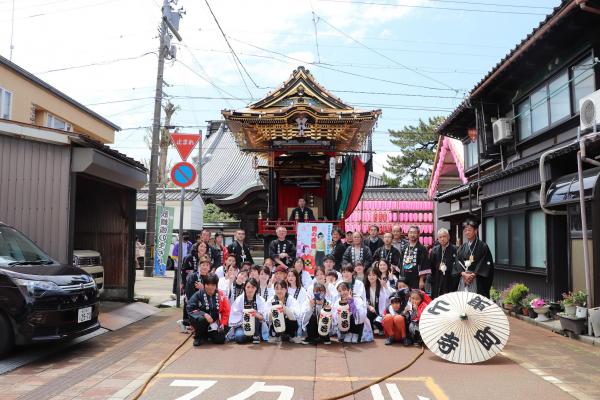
(362, 288)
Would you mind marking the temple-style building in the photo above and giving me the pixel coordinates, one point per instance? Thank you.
(306, 143)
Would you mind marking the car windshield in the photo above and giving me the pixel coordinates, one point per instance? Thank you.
(16, 249)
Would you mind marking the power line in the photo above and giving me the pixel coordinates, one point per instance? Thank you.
(233, 97)
(434, 7)
(232, 51)
(339, 70)
(386, 57)
(314, 20)
(99, 63)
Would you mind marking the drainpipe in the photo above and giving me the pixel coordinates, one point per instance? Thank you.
(581, 157)
(583, 5)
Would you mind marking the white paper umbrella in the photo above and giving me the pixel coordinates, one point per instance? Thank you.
(464, 327)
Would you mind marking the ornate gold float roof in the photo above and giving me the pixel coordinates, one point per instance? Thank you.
(303, 112)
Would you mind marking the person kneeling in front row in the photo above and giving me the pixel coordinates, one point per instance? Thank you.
(208, 310)
(248, 315)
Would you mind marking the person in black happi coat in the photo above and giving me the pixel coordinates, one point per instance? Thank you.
(474, 266)
(302, 213)
(338, 248)
(388, 253)
(414, 260)
(442, 259)
(240, 249)
(282, 250)
(209, 311)
(373, 242)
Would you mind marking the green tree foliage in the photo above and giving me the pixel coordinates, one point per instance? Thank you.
(212, 213)
(412, 168)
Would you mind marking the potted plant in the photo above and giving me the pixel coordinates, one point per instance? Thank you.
(515, 295)
(568, 304)
(527, 309)
(580, 300)
(571, 323)
(495, 295)
(541, 308)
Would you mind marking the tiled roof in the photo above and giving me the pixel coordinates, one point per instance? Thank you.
(414, 194)
(375, 181)
(89, 142)
(171, 194)
(466, 104)
(226, 169)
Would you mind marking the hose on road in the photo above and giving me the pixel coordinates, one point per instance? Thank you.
(160, 367)
(351, 393)
(383, 378)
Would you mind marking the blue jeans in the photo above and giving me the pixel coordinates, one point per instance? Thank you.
(240, 335)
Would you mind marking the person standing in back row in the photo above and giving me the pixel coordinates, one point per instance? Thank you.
(302, 213)
(415, 263)
(474, 266)
(373, 242)
(240, 249)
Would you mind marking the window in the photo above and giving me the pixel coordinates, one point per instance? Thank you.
(560, 103)
(140, 215)
(5, 103)
(537, 239)
(583, 80)
(490, 235)
(517, 238)
(57, 123)
(524, 120)
(550, 103)
(502, 235)
(471, 154)
(539, 109)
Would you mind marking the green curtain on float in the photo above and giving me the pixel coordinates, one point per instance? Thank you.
(345, 187)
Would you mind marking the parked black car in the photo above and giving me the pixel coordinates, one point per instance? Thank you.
(41, 300)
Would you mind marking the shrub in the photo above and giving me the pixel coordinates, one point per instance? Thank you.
(516, 294)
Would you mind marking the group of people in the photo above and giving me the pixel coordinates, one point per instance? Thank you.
(362, 288)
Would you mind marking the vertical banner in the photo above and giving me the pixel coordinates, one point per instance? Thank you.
(312, 243)
(164, 235)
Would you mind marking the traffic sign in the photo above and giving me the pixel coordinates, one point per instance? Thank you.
(183, 174)
(185, 143)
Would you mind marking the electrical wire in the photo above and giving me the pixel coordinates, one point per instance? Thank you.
(434, 7)
(232, 97)
(94, 64)
(233, 52)
(340, 70)
(385, 56)
(315, 20)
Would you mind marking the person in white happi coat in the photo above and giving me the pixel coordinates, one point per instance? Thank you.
(289, 307)
(249, 300)
(360, 327)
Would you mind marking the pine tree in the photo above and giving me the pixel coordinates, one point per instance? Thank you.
(418, 144)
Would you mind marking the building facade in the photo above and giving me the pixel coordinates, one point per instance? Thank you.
(59, 182)
(520, 127)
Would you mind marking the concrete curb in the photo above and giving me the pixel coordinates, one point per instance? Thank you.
(554, 326)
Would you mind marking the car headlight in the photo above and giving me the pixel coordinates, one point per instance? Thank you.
(35, 288)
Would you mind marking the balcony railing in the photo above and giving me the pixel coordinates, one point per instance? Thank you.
(268, 227)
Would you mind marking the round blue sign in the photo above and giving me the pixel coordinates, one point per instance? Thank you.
(183, 174)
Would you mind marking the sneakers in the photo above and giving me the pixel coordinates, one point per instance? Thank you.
(256, 339)
(389, 341)
(308, 341)
(182, 327)
(326, 340)
(197, 341)
(406, 342)
(296, 339)
(354, 338)
(285, 337)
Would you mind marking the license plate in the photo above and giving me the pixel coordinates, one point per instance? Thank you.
(84, 314)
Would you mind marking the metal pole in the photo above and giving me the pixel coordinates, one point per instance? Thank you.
(586, 256)
(152, 186)
(180, 258)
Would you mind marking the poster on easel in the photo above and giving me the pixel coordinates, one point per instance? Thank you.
(313, 242)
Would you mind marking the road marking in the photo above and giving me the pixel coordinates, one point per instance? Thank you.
(429, 382)
(392, 389)
(285, 392)
(200, 386)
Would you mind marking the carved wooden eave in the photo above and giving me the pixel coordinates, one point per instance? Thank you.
(301, 111)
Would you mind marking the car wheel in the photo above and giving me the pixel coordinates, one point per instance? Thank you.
(6, 336)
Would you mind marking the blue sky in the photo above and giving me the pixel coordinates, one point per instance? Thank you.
(422, 55)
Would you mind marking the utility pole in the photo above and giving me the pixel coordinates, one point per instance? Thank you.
(169, 22)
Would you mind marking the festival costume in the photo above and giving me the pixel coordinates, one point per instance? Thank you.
(241, 252)
(391, 256)
(373, 245)
(290, 308)
(359, 323)
(276, 247)
(442, 262)
(415, 263)
(236, 318)
(298, 214)
(353, 255)
(377, 297)
(337, 251)
(217, 306)
(475, 257)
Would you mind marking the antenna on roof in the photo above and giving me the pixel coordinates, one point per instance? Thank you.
(12, 30)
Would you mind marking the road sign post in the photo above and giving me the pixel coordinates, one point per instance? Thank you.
(183, 174)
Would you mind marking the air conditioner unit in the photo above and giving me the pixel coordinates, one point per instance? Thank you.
(589, 111)
(502, 129)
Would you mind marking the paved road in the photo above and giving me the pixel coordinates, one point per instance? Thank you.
(291, 371)
(116, 364)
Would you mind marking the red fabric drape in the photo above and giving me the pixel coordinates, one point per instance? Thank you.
(287, 196)
(360, 174)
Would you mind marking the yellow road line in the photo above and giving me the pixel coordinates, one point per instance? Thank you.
(429, 382)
